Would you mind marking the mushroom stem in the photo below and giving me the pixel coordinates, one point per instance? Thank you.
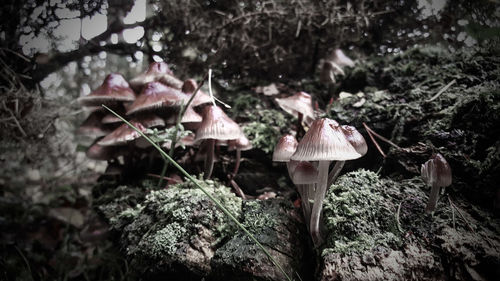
(305, 192)
(209, 160)
(237, 164)
(433, 199)
(318, 202)
(300, 129)
(334, 174)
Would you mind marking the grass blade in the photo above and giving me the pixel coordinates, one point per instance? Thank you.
(214, 200)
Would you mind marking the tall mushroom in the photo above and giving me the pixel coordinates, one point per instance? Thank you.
(216, 125)
(324, 142)
(436, 173)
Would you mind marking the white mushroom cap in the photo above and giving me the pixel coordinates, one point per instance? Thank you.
(285, 148)
(324, 141)
(436, 172)
(300, 102)
(355, 138)
(217, 125)
(304, 173)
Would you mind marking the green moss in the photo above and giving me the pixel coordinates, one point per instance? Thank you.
(356, 214)
(159, 230)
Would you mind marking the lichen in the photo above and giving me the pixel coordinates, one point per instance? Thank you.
(356, 214)
(178, 225)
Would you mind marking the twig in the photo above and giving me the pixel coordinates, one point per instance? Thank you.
(16, 121)
(165, 178)
(442, 90)
(381, 137)
(374, 141)
(460, 213)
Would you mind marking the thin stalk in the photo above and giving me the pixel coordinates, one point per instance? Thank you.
(212, 198)
(334, 174)
(433, 199)
(237, 164)
(318, 202)
(209, 159)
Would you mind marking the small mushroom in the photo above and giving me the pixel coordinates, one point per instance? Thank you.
(240, 144)
(323, 142)
(114, 91)
(284, 150)
(340, 59)
(201, 97)
(305, 176)
(299, 105)
(156, 97)
(155, 73)
(216, 125)
(122, 135)
(436, 173)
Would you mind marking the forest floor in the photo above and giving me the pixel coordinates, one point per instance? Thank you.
(61, 223)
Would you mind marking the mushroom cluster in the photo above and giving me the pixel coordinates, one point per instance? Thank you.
(308, 164)
(153, 102)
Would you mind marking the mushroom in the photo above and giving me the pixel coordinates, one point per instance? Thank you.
(155, 73)
(122, 135)
(299, 105)
(305, 176)
(339, 58)
(114, 90)
(216, 125)
(328, 72)
(323, 142)
(436, 173)
(156, 97)
(284, 150)
(240, 144)
(190, 120)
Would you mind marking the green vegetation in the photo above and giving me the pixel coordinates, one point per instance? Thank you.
(357, 216)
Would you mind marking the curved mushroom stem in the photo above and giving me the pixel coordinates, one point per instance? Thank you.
(209, 160)
(433, 199)
(334, 174)
(237, 164)
(318, 202)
